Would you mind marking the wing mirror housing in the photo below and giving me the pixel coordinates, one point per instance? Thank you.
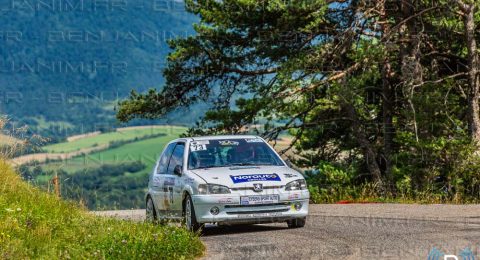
(178, 170)
(289, 163)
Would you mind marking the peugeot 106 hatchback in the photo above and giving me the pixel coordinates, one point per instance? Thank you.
(225, 180)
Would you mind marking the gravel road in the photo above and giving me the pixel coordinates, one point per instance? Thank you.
(352, 231)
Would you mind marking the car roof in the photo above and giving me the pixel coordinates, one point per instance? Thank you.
(217, 137)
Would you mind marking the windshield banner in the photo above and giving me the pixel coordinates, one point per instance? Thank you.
(255, 177)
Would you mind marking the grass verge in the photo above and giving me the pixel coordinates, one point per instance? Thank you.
(34, 224)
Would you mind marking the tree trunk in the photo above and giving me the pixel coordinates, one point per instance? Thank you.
(387, 98)
(387, 107)
(473, 79)
(368, 151)
(411, 68)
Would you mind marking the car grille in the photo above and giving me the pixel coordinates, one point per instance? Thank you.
(252, 209)
(257, 205)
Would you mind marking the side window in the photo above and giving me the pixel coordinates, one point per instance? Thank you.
(177, 157)
(163, 162)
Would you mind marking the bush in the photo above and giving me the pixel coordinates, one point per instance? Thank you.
(445, 169)
(330, 183)
(448, 172)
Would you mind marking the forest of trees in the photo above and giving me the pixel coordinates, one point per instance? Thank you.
(381, 94)
(110, 186)
(62, 71)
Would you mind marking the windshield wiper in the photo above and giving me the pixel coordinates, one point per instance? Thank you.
(233, 164)
(249, 164)
(208, 166)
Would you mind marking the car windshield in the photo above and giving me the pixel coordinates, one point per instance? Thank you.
(231, 152)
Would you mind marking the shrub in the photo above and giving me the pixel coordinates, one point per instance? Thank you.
(330, 183)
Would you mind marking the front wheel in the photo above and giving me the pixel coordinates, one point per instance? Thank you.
(150, 211)
(296, 223)
(190, 219)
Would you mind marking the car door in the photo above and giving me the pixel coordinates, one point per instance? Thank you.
(173, 183)
(179, 184)
(158, 179)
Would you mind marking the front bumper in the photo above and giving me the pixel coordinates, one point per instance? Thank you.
(231, 212)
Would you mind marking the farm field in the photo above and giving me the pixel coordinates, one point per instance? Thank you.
(145, 151)
(127, 134)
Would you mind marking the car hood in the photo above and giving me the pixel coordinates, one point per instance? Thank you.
(245, 176)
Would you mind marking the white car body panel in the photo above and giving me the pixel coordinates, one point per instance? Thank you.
(168, 191)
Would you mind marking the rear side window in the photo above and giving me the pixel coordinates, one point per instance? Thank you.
(177, 157)
(163, 162)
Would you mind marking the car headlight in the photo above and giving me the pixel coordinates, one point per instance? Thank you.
(296, 185)
(212, 189)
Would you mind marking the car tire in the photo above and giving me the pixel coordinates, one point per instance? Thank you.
(150, 212)
(297, 223)
(189, 217)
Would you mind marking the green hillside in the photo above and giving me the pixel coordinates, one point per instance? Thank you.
(114, 178)
(36, 225)
(106, 138)
(145, 151)
(68, 68)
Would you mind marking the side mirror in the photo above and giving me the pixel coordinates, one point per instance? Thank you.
(177, 170)
(289, 163)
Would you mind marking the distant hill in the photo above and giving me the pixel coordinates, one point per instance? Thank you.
(105, 171)
(64, 64)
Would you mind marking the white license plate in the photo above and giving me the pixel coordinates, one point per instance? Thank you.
(260, 215)
(259, 199)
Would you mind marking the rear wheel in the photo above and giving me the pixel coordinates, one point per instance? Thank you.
(190, 218)
(150, 211)
(296, 223)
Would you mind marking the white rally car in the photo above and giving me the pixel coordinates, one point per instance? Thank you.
(225, 180)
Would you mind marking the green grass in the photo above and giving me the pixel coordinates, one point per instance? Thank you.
(106, 138)
(37, 225)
